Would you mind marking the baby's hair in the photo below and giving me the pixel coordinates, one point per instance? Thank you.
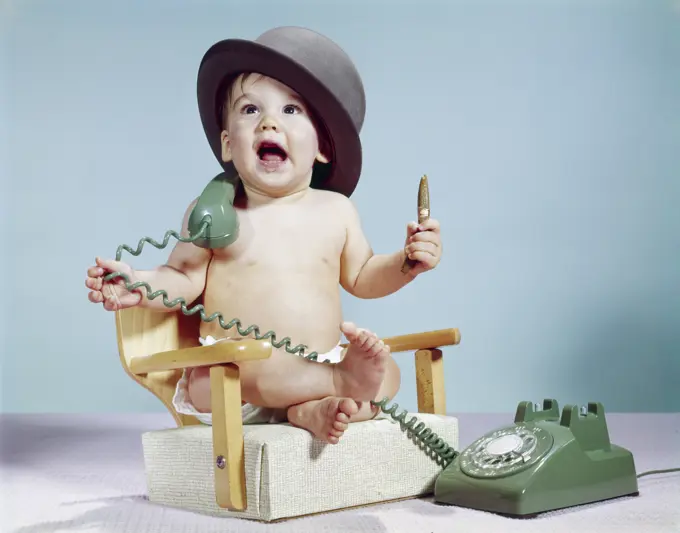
(228, 94)
(225, 99)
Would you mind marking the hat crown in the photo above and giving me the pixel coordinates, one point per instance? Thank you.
(326, 61)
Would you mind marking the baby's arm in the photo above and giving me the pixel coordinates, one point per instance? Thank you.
(183, 275)
(363, 273)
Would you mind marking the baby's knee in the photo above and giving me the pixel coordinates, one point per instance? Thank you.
(198, 389)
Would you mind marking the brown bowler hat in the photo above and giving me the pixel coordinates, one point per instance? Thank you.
(313, 66)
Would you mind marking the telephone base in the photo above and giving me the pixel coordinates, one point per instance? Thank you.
(542, 462)
(522, 507)
(536, 515)
(529, 516)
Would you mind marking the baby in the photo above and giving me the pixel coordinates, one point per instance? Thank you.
(297, 245)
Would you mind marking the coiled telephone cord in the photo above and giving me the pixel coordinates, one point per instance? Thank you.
(442, 451)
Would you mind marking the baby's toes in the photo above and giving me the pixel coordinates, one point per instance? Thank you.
(340, 426)
(362, 339)
(346, 408)
(378, 348)
(350, 331)
(370, 342)
(336, 432)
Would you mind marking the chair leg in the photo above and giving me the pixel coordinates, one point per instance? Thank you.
(227, 432)
(430, 381)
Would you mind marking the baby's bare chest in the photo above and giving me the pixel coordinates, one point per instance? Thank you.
(270, 241)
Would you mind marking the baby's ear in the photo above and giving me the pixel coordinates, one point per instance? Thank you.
(321, 158)
(226, 148)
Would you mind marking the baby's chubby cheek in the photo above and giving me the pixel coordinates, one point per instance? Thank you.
(242, 147)
(304, 154)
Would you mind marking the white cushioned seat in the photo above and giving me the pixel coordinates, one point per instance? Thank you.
(289, 473)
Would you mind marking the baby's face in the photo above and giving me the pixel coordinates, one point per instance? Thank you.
(269, 136)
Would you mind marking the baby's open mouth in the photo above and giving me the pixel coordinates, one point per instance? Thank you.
(270, 151)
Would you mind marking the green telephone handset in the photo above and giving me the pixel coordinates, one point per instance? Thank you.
(215, 206)
(540, 463)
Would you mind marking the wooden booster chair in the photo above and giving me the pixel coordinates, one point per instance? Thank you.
(272, 471)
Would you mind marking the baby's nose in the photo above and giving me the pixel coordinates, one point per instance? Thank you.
(268, 123)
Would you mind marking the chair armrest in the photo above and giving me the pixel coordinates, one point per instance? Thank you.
(215, 354)
(420, 341)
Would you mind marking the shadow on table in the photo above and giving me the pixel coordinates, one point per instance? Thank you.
(123, 514)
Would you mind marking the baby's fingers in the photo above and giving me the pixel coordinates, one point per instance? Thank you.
(110, 297)
(425, 236)
(121, 301)
(418, 247)
(112, 266)
(95, 271)
(94, 283)
(95, 297)
(111, 304)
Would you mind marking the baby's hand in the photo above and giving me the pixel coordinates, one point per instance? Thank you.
(424, 245)
(112, 293)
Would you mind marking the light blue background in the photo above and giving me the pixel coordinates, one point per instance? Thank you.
(550, 132)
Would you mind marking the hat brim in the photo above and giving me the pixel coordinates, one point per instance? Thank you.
(234, 56)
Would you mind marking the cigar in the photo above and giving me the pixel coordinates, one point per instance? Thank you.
(423, 215)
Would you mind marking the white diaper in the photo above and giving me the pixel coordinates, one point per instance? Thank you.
(250, 414)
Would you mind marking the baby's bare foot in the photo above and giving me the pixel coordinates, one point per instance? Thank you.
(361, 372)
(326, 419)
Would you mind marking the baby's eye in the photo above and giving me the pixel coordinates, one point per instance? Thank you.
(249, 109)
(292, 109)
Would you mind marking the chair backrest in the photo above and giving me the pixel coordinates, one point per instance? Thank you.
(143, 332)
